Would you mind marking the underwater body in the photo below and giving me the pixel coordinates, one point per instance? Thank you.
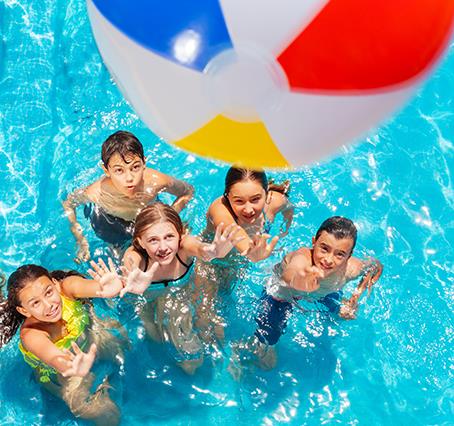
(393, 364)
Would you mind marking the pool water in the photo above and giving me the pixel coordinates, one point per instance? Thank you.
(393, 365)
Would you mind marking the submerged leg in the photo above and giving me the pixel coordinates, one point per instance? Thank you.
(181, 334)
(152, 316)
(97, 407)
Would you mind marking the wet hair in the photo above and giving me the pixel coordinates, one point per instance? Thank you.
(340, 227)
(151, 215)
(123, 143)
(236, 174)
(10, 318)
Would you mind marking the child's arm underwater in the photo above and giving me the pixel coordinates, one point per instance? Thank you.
(78, 197)
(65, 362)
(371, 270)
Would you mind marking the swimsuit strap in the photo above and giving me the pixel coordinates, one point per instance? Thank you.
(172, 280)
(146, 264)
(266, 223)
(178, 258)
(184, 264)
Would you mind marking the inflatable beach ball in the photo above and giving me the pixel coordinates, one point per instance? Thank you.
(268, 83)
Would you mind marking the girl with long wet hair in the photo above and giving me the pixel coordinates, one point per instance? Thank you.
(59, 334)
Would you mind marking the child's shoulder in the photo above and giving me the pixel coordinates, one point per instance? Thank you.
(302, 255)
(67, 285)
(154, 176)
(277, 200)
(217, 206)
(354, 268)
(93, 190)
(30, 330)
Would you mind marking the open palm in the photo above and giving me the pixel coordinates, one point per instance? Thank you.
(137, 281)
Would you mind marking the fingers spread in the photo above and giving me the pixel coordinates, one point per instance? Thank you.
(111, 265)
(76, 348)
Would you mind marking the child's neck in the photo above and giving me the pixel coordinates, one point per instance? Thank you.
(168, 271)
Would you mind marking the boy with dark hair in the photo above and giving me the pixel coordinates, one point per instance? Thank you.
(113, 202)
(316, 274)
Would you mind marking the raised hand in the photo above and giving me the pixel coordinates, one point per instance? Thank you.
(260, 248)
(307, 280)
(137, 281)
(222, 243)
(79, 363)
(107, 277)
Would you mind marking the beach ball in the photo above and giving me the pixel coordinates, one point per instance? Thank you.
(268, 83)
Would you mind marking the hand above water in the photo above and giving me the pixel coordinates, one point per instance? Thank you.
(107, 277)
(137, 281)
(260, 248)
(308, 279)
(79, 363)
(223, 242)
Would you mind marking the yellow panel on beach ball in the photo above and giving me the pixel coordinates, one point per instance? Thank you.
(245, 144)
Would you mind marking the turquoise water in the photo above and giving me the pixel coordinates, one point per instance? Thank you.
(393, 365)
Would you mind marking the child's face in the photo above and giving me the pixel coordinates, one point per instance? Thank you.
(41, 299)
(161, 242)
(126, 176)
(331, 254)
(247, 199)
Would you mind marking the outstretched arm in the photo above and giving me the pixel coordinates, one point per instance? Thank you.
(298, 273)
(67, 363)
(106, 283)
(223, 242)
(255, 249)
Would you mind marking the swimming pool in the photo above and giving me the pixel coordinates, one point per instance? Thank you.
(392, 365)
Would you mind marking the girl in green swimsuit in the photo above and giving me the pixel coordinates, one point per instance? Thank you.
(56, 327)
(159, 265)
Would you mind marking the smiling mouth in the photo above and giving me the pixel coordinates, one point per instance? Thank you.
(54, 312)
(326, 268)
(163, 256)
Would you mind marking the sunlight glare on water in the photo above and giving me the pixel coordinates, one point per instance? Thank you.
(393, 365)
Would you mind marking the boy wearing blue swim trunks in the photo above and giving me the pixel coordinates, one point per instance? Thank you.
(113, 202)
(316, 274)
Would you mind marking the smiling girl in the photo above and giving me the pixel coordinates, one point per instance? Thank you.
(55, 328)
(250, 201)
(159, 265)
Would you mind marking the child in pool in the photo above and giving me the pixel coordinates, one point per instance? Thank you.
(316, 274)
(252, 203)
(52, 321)
(112, 202)
(159, 265)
